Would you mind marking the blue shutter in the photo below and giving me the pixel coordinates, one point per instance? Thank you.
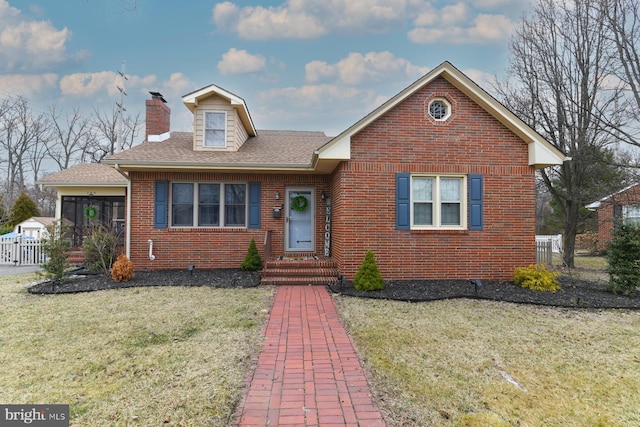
(254, 205)
(475, 202)
(403, 201)
(160, 204)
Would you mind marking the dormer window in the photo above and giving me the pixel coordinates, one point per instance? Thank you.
(215, 124)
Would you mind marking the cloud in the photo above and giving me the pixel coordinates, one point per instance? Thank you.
(240, 61)
(27, 85)
(358, 69)
(31, 45)
(482, 28)
(306, 19)
(257, 22)
(478, 21)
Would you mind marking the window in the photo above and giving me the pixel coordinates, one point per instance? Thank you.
(440, 109)
(631, 214)
(215, 124)
(208, 204)
(437, 202)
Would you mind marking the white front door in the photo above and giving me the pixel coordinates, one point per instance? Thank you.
(299, 230)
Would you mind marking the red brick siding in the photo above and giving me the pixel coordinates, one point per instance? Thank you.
(606, 218)
(212, 247)
(406, 140)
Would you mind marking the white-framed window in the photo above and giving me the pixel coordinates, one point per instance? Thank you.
(631, 214)
(439, 109)
(208, 204)
(438, 201)
(215, 129)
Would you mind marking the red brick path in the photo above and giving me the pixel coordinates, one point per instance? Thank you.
(308, 373)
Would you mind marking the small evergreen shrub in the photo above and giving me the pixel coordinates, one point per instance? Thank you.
(624, 260)
(122, 270)
(368, 277)
(101, 248)
(252, 262)
(537, 278)
(56, 249)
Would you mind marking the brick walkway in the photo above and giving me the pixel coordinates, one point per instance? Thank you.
(308, 373)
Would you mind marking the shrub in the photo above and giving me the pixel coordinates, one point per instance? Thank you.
(252, 262)
(55, 247)
(537, 278)
(368, 277)
(624, 260)
(101, 249)
(122, 270)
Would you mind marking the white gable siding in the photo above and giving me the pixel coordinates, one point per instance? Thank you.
(241, 132)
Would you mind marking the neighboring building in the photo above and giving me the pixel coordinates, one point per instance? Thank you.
(35, 227)
(620, 207)
(439, 182)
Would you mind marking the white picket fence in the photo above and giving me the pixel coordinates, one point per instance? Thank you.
(21, 251)
(556, 241)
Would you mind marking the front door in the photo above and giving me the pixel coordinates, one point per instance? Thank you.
(299, 230)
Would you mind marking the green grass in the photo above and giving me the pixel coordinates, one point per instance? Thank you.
(480, 363)
(137, 356)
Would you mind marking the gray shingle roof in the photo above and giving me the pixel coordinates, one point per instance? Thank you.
(269, 149)
(86, 174)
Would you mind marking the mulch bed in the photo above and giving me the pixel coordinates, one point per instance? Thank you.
(573, 293)
(84, 281)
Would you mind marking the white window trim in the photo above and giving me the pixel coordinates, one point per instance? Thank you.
(627, 211)
(437, 203)
(196, 204)
(446, 103)
(204, 128)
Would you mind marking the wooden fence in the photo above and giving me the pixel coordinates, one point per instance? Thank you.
(544, 252)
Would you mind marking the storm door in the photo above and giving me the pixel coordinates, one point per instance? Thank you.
(299, 230)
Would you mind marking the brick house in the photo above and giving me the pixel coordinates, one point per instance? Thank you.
(623, 206)
(439, 182)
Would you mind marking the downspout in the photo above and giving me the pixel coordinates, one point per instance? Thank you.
(127, 228)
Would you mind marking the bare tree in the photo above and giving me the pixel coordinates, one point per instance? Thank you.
(623, 28)
(70, 136)
(560, 64)
(105, 137)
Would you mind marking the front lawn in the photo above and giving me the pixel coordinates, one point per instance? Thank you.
(479, 363)
(136, 356)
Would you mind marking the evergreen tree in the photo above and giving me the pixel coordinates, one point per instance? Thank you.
(368, 277)
(252, 262)
(23, 209)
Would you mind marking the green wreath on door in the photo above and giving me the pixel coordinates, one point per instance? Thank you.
(299, 203)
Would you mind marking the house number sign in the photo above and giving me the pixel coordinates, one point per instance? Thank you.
(327, 228)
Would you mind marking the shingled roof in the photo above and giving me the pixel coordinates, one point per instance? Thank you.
(90, 174)
(270, 149)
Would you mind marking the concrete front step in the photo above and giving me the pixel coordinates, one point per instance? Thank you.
(308, 271)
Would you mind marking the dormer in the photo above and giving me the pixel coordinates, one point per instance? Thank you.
(221, 120)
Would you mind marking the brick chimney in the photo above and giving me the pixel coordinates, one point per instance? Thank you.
(158, 118)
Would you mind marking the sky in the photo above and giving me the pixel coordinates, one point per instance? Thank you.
(316, 65)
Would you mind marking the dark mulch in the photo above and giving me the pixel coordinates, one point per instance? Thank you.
(84, 281)
(573, 292)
